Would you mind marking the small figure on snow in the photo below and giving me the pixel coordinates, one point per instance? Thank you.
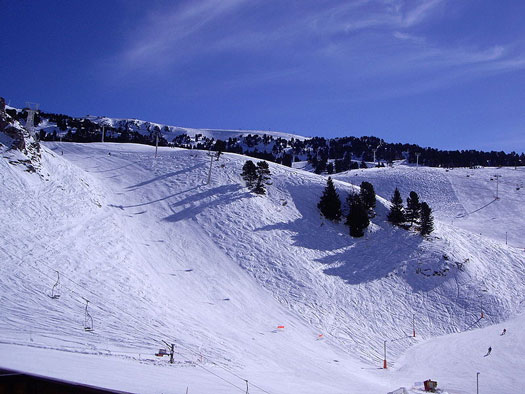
(504, 331)
(488, 352)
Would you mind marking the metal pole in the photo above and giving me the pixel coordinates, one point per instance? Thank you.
(505, 238)
(156, 143)
(477, 383)
(481, 306)
(209, 172)
(103, 132)
(384, 357)
(172, 351)
(414, 325)
(497, 186)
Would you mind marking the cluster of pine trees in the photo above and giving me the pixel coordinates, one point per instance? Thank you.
(415, 212)
(257, 177)
(360, 207)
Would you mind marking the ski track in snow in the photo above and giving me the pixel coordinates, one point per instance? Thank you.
(162, 256)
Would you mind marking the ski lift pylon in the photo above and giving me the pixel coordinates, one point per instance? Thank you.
(54, 291)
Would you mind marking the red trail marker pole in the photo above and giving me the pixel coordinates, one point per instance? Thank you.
(384, 355)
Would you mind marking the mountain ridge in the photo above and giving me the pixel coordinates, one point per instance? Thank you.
(326, 155)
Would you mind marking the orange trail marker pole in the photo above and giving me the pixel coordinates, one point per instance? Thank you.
(384, 359)
(481, 307)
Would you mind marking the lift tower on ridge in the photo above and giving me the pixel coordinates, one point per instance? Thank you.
(32, 109)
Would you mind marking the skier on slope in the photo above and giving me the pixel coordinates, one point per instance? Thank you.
(504, 331)
(488, 352)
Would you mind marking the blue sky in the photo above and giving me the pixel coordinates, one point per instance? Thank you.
(442, 73)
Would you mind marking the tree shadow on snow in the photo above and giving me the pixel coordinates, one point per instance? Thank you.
(164, 176)
(385, 251)
(374, 256)
(311, 230)
(211, 198)
(155, 201)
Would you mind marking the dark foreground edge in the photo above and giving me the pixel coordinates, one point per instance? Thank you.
(12, 381)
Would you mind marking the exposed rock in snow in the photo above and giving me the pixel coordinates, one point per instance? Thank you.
(14, 137)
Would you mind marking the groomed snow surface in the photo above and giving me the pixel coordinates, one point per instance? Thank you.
(214, 269)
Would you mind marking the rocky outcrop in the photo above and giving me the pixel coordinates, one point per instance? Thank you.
(14, 136)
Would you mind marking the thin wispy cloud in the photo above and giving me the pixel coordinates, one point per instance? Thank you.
(420, 12)
(369, 37)
(165, 30)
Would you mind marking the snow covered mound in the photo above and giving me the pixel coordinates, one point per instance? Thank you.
(247, 287)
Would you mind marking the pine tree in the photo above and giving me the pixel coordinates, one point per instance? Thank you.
(413, 207)
(249, 174)
(368, 195)
(263, 177)
(357, 218)
(396, 215)
(427, 220)
(220, 146)
(320, 167)
(330, 204)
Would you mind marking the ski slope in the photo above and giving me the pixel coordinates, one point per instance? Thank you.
(456, 359)
(462, 197)
(160, 255)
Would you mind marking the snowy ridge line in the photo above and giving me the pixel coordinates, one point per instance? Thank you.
(142, 333)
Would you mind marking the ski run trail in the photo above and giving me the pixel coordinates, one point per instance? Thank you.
(255, 288)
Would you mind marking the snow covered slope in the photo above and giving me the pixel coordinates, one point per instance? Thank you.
(214, 269)
(461, 197)
(454, 360)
